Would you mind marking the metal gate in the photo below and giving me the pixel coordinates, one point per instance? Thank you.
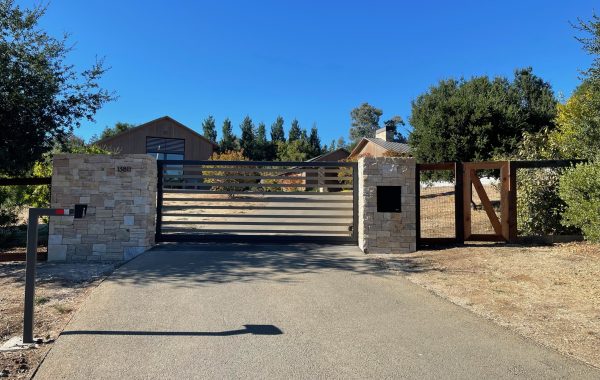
(257, 201)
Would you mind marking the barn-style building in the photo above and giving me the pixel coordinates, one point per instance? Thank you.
(164, 138)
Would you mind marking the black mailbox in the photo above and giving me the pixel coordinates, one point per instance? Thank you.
(389, 198)
(80, 211)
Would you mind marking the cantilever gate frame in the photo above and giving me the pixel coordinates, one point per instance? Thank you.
(316, 182)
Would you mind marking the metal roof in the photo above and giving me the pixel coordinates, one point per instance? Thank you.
(325, 155)
(389, 145)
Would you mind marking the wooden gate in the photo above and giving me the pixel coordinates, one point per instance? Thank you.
(460, 207)
(477, 201)
(471, 180)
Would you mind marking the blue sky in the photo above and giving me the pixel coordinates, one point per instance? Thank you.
(312, 60)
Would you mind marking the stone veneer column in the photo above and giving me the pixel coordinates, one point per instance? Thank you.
(120, 191)
(386, 232)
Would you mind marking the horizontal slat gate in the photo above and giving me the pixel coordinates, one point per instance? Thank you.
(246, 201)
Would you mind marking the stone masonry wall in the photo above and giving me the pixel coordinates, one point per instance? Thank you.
(386, 232)
(120, 191)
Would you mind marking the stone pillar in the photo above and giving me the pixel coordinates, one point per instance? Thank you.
(120, 191)
(386, 232)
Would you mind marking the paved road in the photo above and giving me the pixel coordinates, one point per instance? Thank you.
(237, 311)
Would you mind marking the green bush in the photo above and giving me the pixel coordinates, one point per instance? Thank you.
(9, 213)
(9, 209)
(38, 195)
(539, 206)
(580, 190)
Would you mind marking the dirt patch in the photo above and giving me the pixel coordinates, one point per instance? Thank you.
(60, 290)
(19, 254)
(550, 294)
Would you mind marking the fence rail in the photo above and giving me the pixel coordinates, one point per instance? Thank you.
(25, 181)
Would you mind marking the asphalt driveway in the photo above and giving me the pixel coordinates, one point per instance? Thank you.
(295, 311)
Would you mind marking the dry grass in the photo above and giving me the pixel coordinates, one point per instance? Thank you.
(437, 211)
(548, 293)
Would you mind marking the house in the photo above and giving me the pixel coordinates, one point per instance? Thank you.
(164, 138)
(317, 176)
(380, 146)
(335, 155)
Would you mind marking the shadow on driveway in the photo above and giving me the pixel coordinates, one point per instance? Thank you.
(248, 329)
(203, 264)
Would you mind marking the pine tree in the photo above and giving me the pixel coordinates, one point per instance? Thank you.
(209, 130)
(261, 133)
(295, 132)
(314, 142)
(304, 136)
(261, 143)
(228, 140)
(277, 133)
(248, 140)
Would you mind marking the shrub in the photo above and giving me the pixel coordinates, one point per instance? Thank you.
(539, 206)
(232, 177)
(39, 196)
(580, 190)
(11, 205)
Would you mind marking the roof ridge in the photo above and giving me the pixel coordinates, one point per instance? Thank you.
(397, 147)
(129, 130)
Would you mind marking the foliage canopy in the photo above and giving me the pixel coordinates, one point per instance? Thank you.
(476, 119)
(42, 97)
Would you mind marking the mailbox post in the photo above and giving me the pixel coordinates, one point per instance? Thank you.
(32, 241)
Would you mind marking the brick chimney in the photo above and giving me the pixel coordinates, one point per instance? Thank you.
(385, 133)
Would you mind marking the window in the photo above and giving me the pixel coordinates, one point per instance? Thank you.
(167, 156)
(163, 148)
